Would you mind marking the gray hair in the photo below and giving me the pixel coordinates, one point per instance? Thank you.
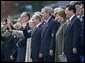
(37, 14)
(48, 9)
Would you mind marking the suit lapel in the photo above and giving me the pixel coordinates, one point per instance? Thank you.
(70, 24)
(43, 33)
(32, 32)
(47, 25)
(36, 30)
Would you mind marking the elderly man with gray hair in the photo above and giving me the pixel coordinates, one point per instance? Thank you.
(36, 36)
(49, 28)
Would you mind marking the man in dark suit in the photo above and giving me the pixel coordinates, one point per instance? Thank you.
(36, 37)
(49, 29)
(72, 35)
(80, 14)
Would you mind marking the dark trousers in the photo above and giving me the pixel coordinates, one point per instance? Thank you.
(73, 58)
(81, 58)
(21, 54)
(37, 59)
(48, 58)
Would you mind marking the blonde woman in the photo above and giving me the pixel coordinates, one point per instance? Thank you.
(61, 17)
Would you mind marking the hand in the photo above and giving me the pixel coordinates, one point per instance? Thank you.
(11, 57)
(51, 52)
(9, 19)
(40, 55)
(17, 44)
(62, 53)
(74, 50)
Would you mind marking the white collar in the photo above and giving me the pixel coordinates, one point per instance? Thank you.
(78, 16)
(82, 15)
(72, 17)
(48, 19)
(38, 24)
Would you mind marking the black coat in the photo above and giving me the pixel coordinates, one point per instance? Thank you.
(48, 37)
(8, 43)
(36, 42)
(25, 29)
(25, 33)
(14, 47)
(81, 44)
(72, 35)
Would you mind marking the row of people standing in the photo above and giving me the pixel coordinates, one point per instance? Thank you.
(43, 39)
(52, 36)
(68, 35)
(71, 42)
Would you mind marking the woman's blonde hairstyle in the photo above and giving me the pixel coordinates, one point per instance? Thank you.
(37, 15)
(60, 12)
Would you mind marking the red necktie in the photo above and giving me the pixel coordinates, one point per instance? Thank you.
(44, 26)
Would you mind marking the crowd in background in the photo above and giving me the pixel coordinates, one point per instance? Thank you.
(57, 35)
